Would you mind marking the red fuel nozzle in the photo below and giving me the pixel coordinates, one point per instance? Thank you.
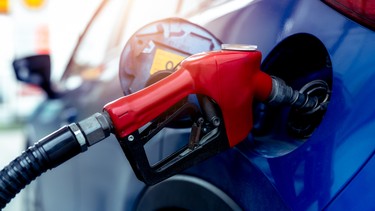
(231, 78)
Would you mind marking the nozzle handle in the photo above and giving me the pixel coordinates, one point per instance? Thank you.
(231, 78)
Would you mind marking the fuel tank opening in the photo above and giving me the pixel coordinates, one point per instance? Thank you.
(302, 123)
(303, 62)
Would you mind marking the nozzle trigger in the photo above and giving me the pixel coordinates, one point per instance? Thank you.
(205, 141)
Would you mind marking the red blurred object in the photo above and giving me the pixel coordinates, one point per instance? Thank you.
(42, 40)
(30, 90)
(362, 11)
(231, 78)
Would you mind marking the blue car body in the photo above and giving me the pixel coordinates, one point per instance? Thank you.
(332, 169)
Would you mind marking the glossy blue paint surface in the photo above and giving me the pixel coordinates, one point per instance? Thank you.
(359, 193)
(312, 175)
(330, 170)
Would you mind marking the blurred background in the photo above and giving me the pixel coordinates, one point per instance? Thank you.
(30, 27)
(34, 27)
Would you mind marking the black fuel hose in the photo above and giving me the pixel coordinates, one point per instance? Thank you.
(282, 94)
(50, 152)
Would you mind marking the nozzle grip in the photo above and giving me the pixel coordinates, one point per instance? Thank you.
(131, 112)
(231, 78)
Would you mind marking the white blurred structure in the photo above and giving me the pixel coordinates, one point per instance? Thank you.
(7, 88)
(51, 27)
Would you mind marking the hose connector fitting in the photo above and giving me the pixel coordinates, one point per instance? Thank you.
(282, 94)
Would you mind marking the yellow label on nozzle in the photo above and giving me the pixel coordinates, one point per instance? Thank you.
(165, 60)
